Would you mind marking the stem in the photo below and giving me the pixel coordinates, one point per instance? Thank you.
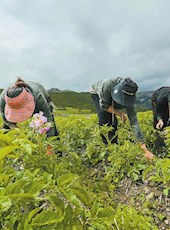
(116, 224)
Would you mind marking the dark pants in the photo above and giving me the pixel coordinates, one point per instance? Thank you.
(159, 147)
(56, 133)
(106, 118)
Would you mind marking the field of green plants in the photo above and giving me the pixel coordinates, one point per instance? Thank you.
(92, 186)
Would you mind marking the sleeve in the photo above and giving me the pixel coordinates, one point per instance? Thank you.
(158, 99)
(153, 101)
(2, 103)
(158, 111)
(47, 96)
(2, 108)
(169, 97)
(131, 112)
(42, 105)
(154, 110)
(104, 101)
(103, 90)
(44, 91)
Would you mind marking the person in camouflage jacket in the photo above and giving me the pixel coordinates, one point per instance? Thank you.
(109, 97)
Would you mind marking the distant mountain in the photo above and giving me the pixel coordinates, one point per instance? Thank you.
(66, 98)
(54, 90)
(144, 99)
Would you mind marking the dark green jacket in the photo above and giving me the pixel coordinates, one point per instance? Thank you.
(41, 99)
(103, 90)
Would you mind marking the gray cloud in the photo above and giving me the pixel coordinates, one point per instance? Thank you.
(71, 44)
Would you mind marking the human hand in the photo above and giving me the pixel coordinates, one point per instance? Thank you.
(12, 126)
(168, 122)
(123, 117)
(160, 124)
(164, 132)
(148, 155)
(50, 150)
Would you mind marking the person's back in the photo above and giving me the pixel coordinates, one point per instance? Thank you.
(161, 107)
(109, 96)
(23, 99)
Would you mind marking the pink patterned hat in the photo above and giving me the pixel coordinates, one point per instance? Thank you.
(19, 108)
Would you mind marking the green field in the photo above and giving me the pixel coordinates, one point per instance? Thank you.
(92, 186)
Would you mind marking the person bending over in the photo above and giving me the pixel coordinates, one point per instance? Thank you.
(21, 100)
(109, 96)
(161, 108)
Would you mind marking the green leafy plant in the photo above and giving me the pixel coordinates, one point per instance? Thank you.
(88, 187)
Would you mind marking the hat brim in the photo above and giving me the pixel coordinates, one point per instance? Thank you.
(121, 98)
(22, 114)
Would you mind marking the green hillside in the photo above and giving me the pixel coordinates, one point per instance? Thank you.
(82, 100)
(63, 99)
(72, 99)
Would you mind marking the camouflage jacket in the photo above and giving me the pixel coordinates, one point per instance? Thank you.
(103, 90)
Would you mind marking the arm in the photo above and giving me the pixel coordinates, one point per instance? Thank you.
(2, 111)
(147, 153)
(157, 122)
(42, 105)
(163, 109)
(159, 107)
(168, 109)
(158, 115)
(137, 130)
(122, 115)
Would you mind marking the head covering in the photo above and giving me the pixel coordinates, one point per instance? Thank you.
(20, 104)
(124, 92)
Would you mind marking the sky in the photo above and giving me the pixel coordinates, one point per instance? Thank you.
(71, 44)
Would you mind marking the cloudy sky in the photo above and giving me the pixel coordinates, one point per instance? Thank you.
(70, 44)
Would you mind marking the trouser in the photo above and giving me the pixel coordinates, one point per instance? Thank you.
(106, 118)
(56, 133)
(159, 146)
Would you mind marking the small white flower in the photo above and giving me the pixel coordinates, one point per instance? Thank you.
(115, 91)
